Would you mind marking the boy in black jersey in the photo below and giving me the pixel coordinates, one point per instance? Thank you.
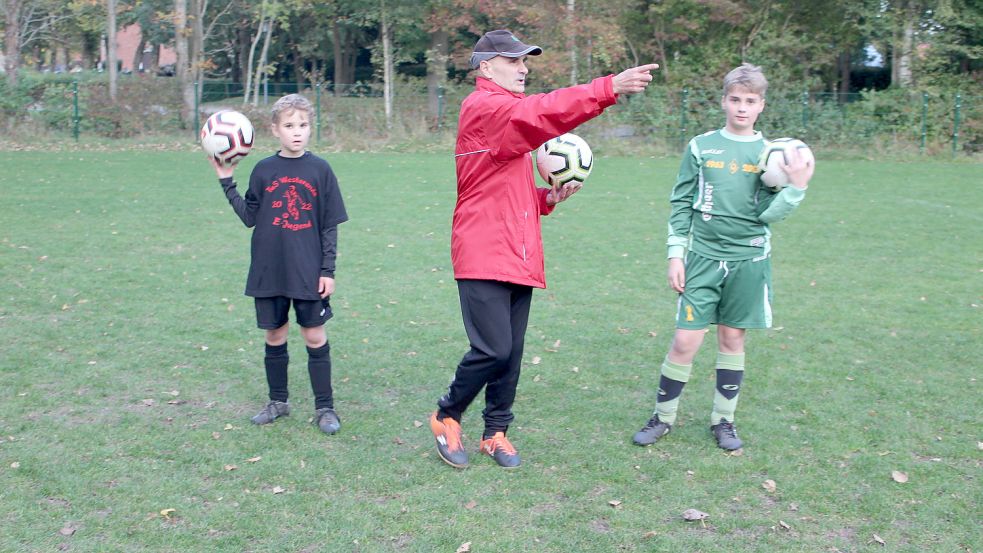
(294, 206)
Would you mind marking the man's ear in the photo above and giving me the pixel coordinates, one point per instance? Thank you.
(483, 68)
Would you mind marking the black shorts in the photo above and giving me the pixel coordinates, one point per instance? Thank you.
(272, 313)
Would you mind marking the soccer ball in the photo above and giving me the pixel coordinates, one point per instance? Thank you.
(777, 151)
(227, 136)
(564, 159)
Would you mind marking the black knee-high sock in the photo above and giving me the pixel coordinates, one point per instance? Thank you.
(319, 367)
(276, 362)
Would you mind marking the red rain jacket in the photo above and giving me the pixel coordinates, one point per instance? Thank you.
(496, 234)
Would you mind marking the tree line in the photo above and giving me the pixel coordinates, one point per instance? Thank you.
(824, 45)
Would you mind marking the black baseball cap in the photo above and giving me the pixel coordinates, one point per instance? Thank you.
(501, 43)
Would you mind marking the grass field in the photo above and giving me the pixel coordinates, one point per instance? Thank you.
(130, 365)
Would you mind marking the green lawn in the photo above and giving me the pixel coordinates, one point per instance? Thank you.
(130, 365)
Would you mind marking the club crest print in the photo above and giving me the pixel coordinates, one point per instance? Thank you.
(293, 211)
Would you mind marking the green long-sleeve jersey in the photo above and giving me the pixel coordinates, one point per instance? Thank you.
(720, 208)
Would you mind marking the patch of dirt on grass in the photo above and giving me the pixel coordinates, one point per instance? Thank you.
(402, 540)
(600, 525)
(848, 534)
(56, 502)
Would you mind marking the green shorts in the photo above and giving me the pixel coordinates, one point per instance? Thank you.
(733, 293)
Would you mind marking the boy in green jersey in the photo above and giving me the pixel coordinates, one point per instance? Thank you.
(720, 214)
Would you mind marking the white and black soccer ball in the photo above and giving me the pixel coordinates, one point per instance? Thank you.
(227, 136)
(778, 151)
(566, 158)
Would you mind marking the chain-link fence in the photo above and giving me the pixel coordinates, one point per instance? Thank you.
(354, 116)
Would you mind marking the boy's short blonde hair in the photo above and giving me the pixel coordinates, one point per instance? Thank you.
(749, 76)
(291, 102)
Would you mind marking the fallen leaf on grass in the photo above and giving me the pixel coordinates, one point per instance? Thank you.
(67, 530)
(769, 485)
(254, 459)
(230, 467)
(278, 489)
(615, 503)
(417, 424)
(15, 465)
(693, 514)
(464, 548)
(229, 427)
(471, 504)
(649, 534)
(216, 435)
(536, 378)
(784, 525)
(879, 539)
(536, 360)
(148, 402)
(899, 476)
(166, 513)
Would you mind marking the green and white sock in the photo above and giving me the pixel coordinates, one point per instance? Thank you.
(674, 376)
(730, 372)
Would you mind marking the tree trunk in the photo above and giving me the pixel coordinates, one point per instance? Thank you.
(337, 38)
(350, 52)
(437, 58)
(261, 66)
(181, 68)
(387, 67)
(111, 48)
(11, 39)
(660, 51)
(300, 68)
(843, 64)
(252, 54)
(196, 48)
(906, 51)
(155, 60)
(61, 59)
(138, 54)
(242, 59)
(572, 39)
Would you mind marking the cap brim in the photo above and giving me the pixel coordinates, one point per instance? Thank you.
(530, 51)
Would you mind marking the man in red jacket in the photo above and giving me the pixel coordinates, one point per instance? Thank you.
(496, 244)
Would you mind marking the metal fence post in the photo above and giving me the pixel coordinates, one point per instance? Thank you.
(682, 118)
(75, 110)
(955, 126)
(317, 113)
(924, 119)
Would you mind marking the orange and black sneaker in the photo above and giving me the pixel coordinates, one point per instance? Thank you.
(447, 432)
(500, 449)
